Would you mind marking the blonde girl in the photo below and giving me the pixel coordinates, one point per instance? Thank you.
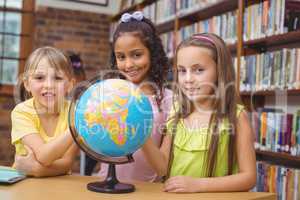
(40, 134)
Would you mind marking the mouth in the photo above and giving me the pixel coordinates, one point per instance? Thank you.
(191, 90)
(48, 94)
(132, 73)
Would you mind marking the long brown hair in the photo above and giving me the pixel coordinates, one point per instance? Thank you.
(225, 105)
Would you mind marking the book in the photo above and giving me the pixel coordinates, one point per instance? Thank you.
(277, 179)
(10, 175)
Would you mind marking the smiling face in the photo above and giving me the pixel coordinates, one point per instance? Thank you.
(197, 75)
(48, 86)
(133, 57)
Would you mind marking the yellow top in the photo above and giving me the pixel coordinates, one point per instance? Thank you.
(25, 121)
(191, 148)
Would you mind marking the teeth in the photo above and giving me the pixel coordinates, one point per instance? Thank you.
(132, 72)
(48, 94)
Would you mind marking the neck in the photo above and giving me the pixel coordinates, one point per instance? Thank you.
(45, 111)
(49, 115)
(204, 105)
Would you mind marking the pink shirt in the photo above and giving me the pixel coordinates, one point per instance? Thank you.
(140, 169)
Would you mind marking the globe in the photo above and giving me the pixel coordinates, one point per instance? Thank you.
(109, 120)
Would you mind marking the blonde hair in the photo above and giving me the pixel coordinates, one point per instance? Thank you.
(57, 59)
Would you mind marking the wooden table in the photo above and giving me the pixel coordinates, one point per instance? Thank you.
(74, 187)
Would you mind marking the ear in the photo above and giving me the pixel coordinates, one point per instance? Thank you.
(26, 85)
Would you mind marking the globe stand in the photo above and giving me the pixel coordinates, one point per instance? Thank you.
(111, 184)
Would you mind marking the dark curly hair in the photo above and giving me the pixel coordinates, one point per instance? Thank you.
(147, 33)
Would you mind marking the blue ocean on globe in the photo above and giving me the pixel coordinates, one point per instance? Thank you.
(113, 118)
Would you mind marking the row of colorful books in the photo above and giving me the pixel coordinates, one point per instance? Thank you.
(271, 70)
(168, 41)
(292, 15)
(277, 179)
(128, 3)
(150, 12)
(165, 10)
(223, 25)
(269, 19)
(277, 131)
(161, 11)
(185, 7)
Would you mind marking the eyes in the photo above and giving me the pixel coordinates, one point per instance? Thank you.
(133, 55)
(195, 70)
(42, 77)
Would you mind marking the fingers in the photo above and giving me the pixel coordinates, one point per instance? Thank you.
(173, 185)
(174, 188)
(173, 179)
(179, 190)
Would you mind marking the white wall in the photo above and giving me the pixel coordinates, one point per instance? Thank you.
(111, 9)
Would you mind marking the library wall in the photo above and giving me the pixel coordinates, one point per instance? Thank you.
(6, 149)
(81, 32)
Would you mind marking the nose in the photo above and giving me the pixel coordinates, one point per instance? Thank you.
(49, 82)
(128, 63)
(188, 77)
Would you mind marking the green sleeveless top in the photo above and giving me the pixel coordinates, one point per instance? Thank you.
(191, 148)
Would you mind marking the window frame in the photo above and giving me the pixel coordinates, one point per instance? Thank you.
(26, 40)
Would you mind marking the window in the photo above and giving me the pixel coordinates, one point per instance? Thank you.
(16, 22)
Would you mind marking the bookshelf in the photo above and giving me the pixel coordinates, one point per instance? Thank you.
(283, 159)
(269, 43)
(185, 19)
(246, 44)
(292, 92)
(131, 8)
(272, 42)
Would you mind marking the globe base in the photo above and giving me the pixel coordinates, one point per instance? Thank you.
(107, 187)
(111, 183)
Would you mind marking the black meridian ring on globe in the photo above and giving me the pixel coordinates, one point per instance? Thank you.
(110, 184)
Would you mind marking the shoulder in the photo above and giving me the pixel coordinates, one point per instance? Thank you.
(65, 109)
(25, 107)
(167, 99)
(242, 115)
(167, 95)
(241, 110)
(167, 92)
(67, 105)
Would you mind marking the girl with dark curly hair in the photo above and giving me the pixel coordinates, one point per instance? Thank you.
(139, 57)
